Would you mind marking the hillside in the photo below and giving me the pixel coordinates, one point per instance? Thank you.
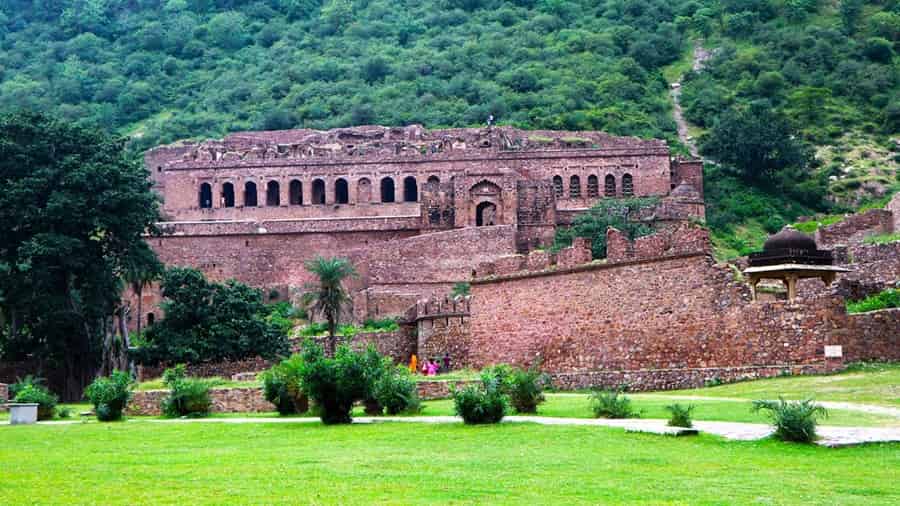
(163, 70)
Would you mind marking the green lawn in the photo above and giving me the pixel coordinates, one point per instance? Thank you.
(864, 383)
(141, 462)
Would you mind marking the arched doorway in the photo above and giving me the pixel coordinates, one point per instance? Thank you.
(486, 214)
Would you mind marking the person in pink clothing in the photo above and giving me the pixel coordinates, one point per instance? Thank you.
(432, 368)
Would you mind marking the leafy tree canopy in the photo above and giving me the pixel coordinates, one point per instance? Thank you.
(621, 214)
(207, 321)
(72, 212)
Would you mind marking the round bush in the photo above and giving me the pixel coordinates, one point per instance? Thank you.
(110, 395)
(480, 404)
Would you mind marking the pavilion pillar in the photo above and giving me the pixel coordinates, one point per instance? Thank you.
(791, 281)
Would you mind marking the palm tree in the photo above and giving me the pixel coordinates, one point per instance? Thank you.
(328, 296)
(141, 269)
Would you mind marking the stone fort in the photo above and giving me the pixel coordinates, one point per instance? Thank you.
(418, 210)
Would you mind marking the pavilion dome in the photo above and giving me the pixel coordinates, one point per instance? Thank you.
(790, 238)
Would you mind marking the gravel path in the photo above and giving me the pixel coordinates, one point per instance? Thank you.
(699, 58)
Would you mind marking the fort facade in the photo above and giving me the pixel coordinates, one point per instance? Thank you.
(415, 210)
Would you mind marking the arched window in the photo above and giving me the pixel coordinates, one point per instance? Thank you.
(609, 188)
(486, 214)
(627, 185)
(557, 186)
(249, 194)
(227, 195)
(296, 193)
(273, 194)
(341, 191)
(387, 190)
(410, 190)
(364, 190)
(151, 319)
(205, 196)
(575, 187)
(433, 183)
(318, 194)
(593, 187)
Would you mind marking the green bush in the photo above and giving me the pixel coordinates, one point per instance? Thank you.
(793, 420)
(525, 387)
(187, 396)
(110, 395)
(396, 391)
(334, 384)
(479, 404)
(376, 368)
(34, 393)
(611, 404)
(30, 379)
(283, 386)
(884, 300)
(681, 415)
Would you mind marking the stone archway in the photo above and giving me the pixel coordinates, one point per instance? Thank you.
(485, 214)
(486, 204)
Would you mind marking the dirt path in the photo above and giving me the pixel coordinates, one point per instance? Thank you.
(699, 58)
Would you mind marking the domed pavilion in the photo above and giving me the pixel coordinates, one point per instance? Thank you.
(790, 256)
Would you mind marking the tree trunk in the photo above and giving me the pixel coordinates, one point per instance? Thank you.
(140, 312)
(331, 346)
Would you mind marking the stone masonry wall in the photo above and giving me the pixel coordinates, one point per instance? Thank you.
(873, 336)
(252, 400)
(4, 392)
(854, 228)
(633, 318)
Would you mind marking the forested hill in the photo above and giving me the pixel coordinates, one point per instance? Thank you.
(826, 72)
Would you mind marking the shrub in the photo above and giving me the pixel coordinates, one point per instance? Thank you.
(612, 404)
(110, 395)
(793, 420)
(334, 383)
(21, 383)
(883, 300)
(34, 393)
(681, 415)
(526, 389)
(376, 368)
(478, 404)
(397, 392)
(187, 396)
(283, 387)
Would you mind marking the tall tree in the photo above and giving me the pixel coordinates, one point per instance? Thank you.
(328, 295)
(72, 210)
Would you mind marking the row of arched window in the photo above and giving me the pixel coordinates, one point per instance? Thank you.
(341, 193)
(593, 186)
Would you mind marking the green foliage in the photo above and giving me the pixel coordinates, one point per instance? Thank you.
(334, 383)
(622, 214)
(794, 421)
(681, 415)
(168, 70)
(110, 395)
(612, 404)
(283, 386)
(46, 401)
(20, 383)
(211, 321)
(524, 387)
(886, 299)
(481, 403)
(396, 391)
(187, 396)
(882, 238)
(328, 296)
(461, 289)
(72, 212)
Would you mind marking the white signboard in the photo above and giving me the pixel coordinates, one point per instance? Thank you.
(834, 351)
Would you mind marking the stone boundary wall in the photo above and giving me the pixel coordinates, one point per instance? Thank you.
(873, 336)
(854, 228)
(251, 400)
(676, 379)
(4, 392)
(399, 345)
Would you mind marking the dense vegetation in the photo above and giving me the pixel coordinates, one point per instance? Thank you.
(210, 321)
(72, 212)
(825, 72)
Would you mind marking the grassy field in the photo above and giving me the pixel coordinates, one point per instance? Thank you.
(141, 462)
(866, 384)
